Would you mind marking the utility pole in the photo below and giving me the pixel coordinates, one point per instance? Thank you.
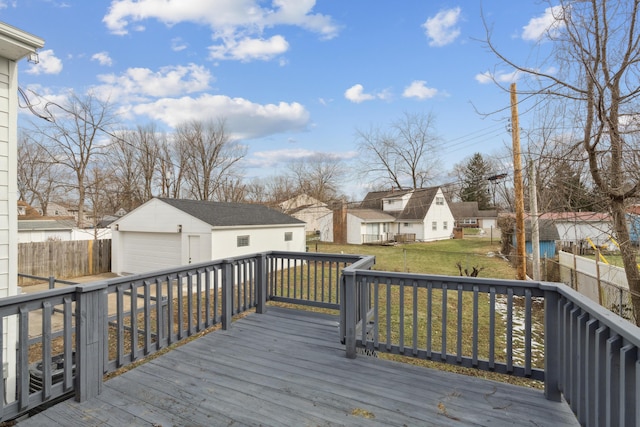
(521, 252)
(535, 228)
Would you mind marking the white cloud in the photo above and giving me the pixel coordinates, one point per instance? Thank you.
(244, 119)
(48, 63)
(547, 23)
(248, 49)
(177, 44)
(442, 28)
(418, 89)
(356, 94)
(261, 159)
(103, 58)
(240, 24)
(141, 83)
(499, 76)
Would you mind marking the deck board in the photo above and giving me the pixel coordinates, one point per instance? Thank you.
(288, 367)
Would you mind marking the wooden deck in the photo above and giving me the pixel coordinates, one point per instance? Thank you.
(288, 368)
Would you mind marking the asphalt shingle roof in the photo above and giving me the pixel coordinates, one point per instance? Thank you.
(223, 214)
(416, 208)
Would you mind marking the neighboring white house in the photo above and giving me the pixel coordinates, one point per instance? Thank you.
(422, 214)
(576, 227)
(165, 233)
(42, 230)
(15, 44)
(316, 215)
(369, 226)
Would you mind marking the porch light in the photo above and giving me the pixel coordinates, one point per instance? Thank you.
(33, 58)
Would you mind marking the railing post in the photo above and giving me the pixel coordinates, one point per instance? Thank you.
(227, 293)
(91, 321)
(551, 346)
(261, 285)
(349, 308)
(52, 282)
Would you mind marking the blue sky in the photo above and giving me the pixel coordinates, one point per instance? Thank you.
(292, 78)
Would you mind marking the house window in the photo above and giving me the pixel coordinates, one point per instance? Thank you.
(288, 236)
(445, 225)
(439, 200)
(434, 226)
(407, 225)
(243, 241)
(469, 221)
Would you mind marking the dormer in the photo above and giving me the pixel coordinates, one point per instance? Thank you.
(396, 202)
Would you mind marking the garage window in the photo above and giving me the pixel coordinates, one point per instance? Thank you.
(243, 241)
(288, 236)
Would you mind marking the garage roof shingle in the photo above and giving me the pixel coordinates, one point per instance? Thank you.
(223, 214)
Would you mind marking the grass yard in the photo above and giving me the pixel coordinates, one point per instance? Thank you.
(433, 257)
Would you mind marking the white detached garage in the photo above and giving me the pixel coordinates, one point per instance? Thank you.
(164, 233)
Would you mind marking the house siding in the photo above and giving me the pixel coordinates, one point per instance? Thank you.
(224, 243)
(438, 214)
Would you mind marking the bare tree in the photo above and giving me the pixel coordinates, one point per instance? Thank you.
(596, 62)
(318, 176)
(75, 135)
(403, 155)
(39, 177)
(210, 156)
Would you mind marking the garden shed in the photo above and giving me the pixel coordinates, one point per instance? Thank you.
(165, 233)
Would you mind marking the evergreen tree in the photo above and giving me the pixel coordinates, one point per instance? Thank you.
(475, 187)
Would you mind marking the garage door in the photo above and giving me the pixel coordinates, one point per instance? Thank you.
(144, 252)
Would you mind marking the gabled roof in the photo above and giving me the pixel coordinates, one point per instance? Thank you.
(416, 207)
(46, 224)
(222, 214)
(577, 216)
(462, 210)
(546, 227)
(372, 215)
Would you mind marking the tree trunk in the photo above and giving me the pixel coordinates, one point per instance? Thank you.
(628, 255)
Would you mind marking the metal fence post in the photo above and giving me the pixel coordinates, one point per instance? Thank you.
(91, 324)
(551, 346)
(261, 285)
(349, 307)
(227, 293)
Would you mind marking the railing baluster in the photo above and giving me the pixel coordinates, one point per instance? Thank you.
(23, 359)
(388, 315)
(590, 370)
(509, 354)
(133, 314)
(120, 325)
(459, 338)
(581, 388)
(474, 356)
(492, 328)
(401, 316)
(147, 317)
(612, 387)
(528, 325)
(573, 357)
(376, 313)
(46, 350)
(443, 326)
(180, 292)
(68, 344)
(160, 339)
(414, 325)
(199, 324)
(429, 318)
(628, 359)
(600, 402)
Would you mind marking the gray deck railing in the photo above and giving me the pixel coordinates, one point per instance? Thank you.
(544, 331)
(66, 339)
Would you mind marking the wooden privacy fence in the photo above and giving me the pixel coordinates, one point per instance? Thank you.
(64, 259)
